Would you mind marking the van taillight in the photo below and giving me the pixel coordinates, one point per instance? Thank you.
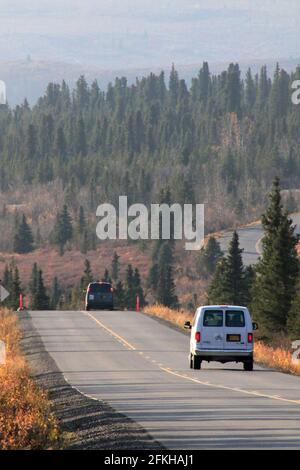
(89, 290)
(250, 338)
(198, 336)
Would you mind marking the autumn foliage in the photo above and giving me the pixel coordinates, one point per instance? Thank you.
(26, 420)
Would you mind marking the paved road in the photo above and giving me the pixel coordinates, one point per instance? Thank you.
(249, 240)
(140, 367)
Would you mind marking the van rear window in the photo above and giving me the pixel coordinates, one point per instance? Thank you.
(213, 318)
(100, 288)
(234, 318)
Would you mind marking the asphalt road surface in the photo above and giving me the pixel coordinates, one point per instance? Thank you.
(250, 237)
(140, 367)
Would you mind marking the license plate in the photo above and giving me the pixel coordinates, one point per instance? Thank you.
(91, 296)
(233, 338)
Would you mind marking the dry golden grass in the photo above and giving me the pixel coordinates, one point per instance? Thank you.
(178, 317)
(275, 357)
(26, 420)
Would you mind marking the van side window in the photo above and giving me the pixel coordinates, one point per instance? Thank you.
(235, 318)
(213, 318)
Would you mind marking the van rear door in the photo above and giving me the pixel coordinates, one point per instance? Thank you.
(235, 331)
(100, 292)
(212, 335)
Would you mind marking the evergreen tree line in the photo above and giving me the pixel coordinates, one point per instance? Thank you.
(224, 131)
(77, 232)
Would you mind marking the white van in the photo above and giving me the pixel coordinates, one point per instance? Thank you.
(222, 333)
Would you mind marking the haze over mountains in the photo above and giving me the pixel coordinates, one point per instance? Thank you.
(42, 41)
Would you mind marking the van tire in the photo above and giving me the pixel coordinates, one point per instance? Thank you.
(248, 366)
(87, 308)
(196, 362)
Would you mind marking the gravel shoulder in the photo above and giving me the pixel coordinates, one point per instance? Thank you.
(92, 424)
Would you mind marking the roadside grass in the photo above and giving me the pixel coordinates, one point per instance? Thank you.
(177, 317)
(26, 419)
(277, 357)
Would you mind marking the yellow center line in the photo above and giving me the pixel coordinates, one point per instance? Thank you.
(168, 370)
(130, 346)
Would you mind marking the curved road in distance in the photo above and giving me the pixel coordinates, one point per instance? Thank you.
(249, 240)
(140, 367)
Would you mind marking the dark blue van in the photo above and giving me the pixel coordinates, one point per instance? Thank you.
(99, 295)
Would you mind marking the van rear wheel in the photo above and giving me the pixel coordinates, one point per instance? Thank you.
(248, 366)
(196, 362)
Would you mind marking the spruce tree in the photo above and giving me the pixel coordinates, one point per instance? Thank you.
(63, 229)
(119, 295)
(16, 289)
(165, 292)
(208, 258)
(152, 278)
(11, 282)
(115, 267)
(106, 276)
(81, 144)
(55, 294)
(231, 283)
(130, 300)
(250, 91)
(23, 239)
(87, 275)
(7, 280)
(219, 289)
(84, 244)
(236, 271)
(138, 290)
(33, 286)
(278, 267)
(41, 299)
(81, 221)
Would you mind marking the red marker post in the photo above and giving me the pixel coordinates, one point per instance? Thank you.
(138, 303)
(21, 302)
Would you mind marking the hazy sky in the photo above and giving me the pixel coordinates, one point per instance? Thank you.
(145, 33)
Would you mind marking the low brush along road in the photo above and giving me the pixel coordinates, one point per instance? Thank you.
(140, 367)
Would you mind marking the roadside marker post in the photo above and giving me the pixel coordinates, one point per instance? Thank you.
(21, 302)
(138, 308)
